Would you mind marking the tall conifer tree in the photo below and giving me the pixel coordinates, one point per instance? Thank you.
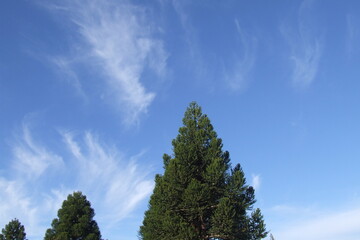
(199, 196)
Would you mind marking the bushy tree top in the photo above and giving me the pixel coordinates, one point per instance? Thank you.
(200, 196)
(75, 221)
(14, 230)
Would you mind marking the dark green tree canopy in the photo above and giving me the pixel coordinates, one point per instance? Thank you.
(14, 230)
(75, 221)
(200, 196)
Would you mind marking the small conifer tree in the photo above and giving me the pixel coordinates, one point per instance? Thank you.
(14, 230)
(75, 221)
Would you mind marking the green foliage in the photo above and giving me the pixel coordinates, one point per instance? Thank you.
(75, 221)
(14, 230)
(200, 196)
(257, 226)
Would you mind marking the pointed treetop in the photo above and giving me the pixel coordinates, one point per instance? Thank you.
(199, 197)
(75, 220)
(14, 230)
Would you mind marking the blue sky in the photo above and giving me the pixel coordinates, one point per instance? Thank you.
(92, 93)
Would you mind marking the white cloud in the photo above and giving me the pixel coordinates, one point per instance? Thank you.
(238, 77)
(237, 74)
(114, 184)
(306, 47)
(39, 181)
(119, 41)
(287, 209)
(343, 225)
(32, 159)
(20, 199)
(306, 63)
(19, 196)
(195, 57)
(15, 204)
(255, 181)
(353, 34)
(64, 65)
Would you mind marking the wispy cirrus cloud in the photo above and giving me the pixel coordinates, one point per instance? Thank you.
(239, 75)
(353, 34)
(306, 46)
(343, 224)
(255, 181)
(31, 158)
(20, 195)
(15, 202)
(191, 38)
(64, 67)
(35, 210)
(40, 180)
(116, 184)
(117, 38)
(235, 75)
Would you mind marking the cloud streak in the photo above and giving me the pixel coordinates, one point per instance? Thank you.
(64, 66)
(337, 225)
(255, 181)
(113, 182)
(353, 34)
(32, 159)
(119, 42)
(238, 78)
(306, 64)
(191, 38)
(118, 185)
(306, 47)
(15, 203)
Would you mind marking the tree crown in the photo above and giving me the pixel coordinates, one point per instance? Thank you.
(14, 230)
(200, 196)
(75, 220)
